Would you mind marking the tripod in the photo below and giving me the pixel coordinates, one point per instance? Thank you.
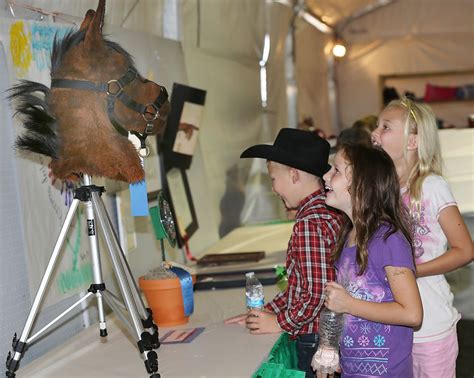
(131, 311)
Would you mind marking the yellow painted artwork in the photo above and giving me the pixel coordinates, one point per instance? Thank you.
(20, 47)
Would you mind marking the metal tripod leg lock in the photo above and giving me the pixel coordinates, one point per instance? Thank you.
(130, 308)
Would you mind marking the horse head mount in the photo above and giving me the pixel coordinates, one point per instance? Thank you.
(97, 97)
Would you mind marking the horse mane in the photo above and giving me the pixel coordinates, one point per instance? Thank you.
(31, 99)
(62, 45)
(73, 38)
(41, 125)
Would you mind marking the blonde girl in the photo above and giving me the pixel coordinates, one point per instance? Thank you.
(407, 131)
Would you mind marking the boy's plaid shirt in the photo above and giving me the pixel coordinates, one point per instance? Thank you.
(308, 266)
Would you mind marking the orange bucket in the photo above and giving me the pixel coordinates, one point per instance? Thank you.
(165, 299)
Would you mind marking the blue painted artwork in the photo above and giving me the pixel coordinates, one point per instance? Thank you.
(42, 37)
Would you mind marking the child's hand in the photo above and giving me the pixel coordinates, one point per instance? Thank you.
(259, 322)
(239, 319)
(337, 298)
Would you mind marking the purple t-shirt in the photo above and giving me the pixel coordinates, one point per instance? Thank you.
(370, 349)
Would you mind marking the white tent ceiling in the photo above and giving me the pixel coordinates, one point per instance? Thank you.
(336, 12)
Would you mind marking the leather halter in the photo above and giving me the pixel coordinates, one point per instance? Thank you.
(115, 90)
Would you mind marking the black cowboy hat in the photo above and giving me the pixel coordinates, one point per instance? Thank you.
(295, 148)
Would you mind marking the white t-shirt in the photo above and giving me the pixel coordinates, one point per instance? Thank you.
(429, 242)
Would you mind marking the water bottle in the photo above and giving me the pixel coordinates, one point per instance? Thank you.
(326, 358)
(253, 292)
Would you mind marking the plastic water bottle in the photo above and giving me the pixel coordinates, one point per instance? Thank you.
(253, 292)
(330, 327)
(326, 358)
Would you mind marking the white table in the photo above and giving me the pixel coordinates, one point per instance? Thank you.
(220, 351)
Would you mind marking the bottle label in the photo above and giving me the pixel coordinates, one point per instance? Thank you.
(255, 303)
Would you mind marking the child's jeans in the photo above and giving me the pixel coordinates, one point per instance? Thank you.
(306, 346)
(436, 359)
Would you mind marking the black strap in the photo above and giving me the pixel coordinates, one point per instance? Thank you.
(140, 108)
(110, 110)
(129, 76)
(79, 84)
(141, 137)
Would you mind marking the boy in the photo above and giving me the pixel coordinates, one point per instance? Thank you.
(296, 162)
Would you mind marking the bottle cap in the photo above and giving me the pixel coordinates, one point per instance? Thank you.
(250, 274)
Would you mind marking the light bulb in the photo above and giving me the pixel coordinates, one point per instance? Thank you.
(339, 50)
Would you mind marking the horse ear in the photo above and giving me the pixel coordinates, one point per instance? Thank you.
(100, 14)
(94, 26)
(87, 19)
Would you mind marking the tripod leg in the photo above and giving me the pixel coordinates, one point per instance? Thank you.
(98, 283)
(134, 304)
(20, 345)
(57, 318)
(115, 246)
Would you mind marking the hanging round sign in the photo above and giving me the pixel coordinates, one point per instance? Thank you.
(163, 221)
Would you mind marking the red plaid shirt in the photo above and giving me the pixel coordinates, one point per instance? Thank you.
(308, 266)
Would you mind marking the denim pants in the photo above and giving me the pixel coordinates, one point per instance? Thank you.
(306, 346)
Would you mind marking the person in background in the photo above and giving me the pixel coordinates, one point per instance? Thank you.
(376, 284)
(367, 123)
(296, 162)
(359, 133)
(407, 131)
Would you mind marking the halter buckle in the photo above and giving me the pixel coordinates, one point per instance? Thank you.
(114, 92)
(148, 128)
(151, 112)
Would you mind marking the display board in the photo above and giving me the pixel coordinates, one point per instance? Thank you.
(182, 127)
(44, 201)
